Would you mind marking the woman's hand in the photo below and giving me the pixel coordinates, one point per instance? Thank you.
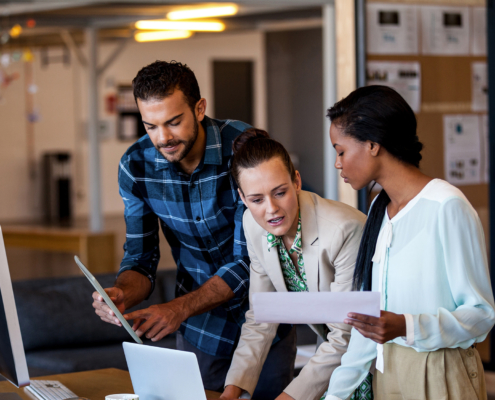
(284, 396)
(380, 330)
(231, 392)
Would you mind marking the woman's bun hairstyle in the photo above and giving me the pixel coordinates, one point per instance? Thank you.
(246, 136)
(253, 147)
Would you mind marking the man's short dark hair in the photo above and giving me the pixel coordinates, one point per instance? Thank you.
(159, 80)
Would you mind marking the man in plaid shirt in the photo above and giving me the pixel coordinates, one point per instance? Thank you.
(177, 176)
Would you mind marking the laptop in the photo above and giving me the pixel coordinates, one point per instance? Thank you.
(163, 374)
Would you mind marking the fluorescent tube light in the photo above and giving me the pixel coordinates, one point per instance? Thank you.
(161, 35)
(204, 12)
(181, 25)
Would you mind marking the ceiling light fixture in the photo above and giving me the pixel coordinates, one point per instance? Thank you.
(161, 35)
(204, 12)
(162, 24)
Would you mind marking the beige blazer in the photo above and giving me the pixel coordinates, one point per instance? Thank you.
(331, 233)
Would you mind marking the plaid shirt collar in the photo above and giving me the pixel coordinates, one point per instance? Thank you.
(213, 150)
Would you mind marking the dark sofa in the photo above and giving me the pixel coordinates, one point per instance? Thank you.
(61, 332)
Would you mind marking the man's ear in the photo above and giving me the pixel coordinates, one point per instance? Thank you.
(374, 148)
(200, 109)
(242, 196)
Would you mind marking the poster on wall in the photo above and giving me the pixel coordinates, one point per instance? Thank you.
(404, 77)
(392, 29)
(486, 147)
(462, 149)
(445, 30)
(479, 86)
(478, 39)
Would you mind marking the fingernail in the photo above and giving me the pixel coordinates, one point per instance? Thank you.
(346, 321)
(350, 315)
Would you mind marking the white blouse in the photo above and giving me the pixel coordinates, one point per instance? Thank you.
(434, 269)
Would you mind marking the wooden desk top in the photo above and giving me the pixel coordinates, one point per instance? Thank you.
(94, 385)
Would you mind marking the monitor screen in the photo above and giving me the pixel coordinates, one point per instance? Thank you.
(13, 364)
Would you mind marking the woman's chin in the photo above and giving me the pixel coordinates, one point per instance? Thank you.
(276, 230)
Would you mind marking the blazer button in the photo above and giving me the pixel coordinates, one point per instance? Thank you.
(198, 219)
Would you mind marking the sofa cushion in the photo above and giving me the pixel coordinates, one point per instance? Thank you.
(57, 313)
(85, 358)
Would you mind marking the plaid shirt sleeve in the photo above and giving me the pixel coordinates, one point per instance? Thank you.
(141, 249)
(236, 273)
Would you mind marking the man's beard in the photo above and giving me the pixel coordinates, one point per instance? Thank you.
(188, 145)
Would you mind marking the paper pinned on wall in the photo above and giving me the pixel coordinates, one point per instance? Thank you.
(392, 29)
(404, 77)
(479, 86)
(314, 307)
(445, 30)
(462, 149)
(486, 147)
(478, 40)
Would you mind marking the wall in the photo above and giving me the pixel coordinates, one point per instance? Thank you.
(295, 98)
(61, 100)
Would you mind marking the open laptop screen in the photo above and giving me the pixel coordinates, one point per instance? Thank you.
(13, 364)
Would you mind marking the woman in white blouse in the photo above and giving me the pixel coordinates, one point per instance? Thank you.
(423, 248)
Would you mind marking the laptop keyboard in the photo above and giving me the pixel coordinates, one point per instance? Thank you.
(49, 390)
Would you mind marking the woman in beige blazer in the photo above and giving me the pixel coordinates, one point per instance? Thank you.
(321, 237)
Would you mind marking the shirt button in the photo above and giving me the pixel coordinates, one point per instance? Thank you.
(208, 242)
(470, 353)
(198, 219)
(473, 375)
(193, 185)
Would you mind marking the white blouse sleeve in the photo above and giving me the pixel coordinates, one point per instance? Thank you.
(355, 366)
(465, 259)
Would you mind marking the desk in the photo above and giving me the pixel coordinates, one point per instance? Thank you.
(95, 249)
(94, 385)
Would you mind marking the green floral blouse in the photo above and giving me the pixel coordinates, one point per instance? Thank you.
(295, 278)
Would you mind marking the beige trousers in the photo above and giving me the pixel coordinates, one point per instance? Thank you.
(453, 374)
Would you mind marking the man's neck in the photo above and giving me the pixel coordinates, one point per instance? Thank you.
(189, 163)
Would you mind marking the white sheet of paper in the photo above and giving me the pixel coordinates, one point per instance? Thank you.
(486, 147)
(404, 77)
(478, 40)
(314, 307)
(462, 147)
(479, 86)
(445, 30)
(392, 29)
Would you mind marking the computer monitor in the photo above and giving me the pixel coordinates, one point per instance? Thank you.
(13, 364)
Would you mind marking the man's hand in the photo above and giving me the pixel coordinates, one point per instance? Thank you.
(130, 289)
(158, 320)
(380, 330)
(103, 311)
(231, 392)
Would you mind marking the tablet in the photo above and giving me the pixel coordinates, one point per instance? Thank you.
(109, 302)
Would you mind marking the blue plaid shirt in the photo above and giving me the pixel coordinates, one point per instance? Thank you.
(201, 217)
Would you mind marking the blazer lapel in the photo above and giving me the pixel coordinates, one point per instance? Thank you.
(272, 266)
(310, 243)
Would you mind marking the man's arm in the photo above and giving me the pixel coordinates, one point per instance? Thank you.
(136, 276)
(160, 320)
(231, 282)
